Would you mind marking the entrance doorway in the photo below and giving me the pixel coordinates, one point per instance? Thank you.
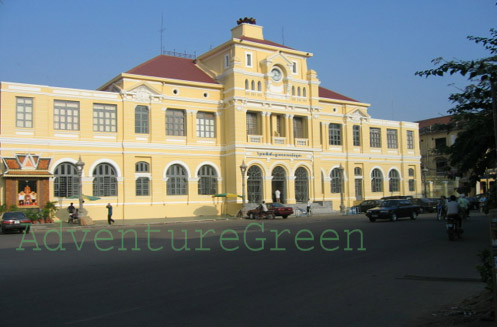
(278, 183)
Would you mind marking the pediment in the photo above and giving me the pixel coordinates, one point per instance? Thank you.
(357, 115)
(279, 57)
(143, 93)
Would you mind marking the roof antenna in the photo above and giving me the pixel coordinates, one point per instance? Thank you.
(162, 29)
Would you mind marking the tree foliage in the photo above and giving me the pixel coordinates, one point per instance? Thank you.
(474, 112)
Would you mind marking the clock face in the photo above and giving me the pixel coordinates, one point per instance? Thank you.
(276, 74)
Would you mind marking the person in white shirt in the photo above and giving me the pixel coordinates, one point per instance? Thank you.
(277, 195)
(264, 206)
(454, 209)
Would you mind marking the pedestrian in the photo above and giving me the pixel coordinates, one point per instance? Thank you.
(464, 204)
(277, 194)
(308, 208)
(483, 203)
(264, 206)
(442, 208)
(71, 208)
(109, 214)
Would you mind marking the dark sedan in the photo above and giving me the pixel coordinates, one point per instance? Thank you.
(426, 204)
(367, 204)
(15, 221)
(280, 210)
(393, 209)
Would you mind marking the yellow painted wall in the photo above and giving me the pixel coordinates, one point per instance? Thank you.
(230, 101)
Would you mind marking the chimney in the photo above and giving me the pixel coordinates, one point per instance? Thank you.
(246, 27)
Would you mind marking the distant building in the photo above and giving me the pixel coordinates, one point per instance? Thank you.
(439, 177)
(162, 138)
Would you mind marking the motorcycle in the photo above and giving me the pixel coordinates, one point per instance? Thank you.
(453, 227)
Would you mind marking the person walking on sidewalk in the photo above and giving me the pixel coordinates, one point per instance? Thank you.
(109, 214)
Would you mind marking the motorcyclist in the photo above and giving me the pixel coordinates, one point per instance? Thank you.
(454, 210)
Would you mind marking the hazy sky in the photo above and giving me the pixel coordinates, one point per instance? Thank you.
(367, 50)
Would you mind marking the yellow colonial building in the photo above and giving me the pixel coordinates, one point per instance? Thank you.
(162, 138)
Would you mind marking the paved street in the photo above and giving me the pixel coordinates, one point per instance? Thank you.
(406, 270)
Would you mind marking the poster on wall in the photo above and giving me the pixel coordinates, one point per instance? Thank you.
(26, 191)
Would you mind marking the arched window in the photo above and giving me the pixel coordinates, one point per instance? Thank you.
(142, 167)
(376, 180)
(358, 183)
(246, 84)
(301, 185)
(253, 85)
(142, 184)
(104, 180)
(141, 120)
(394, 181)
(207, 183)
(259, 86)
(304, 92)
(336, 180)
(298, 91)
(177, 180)
(66, 181)
(293, 90)
(254, 184)
(412, 181)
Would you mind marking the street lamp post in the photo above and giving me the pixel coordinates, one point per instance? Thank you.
(80, 165)
(243, 169)
(342, 205)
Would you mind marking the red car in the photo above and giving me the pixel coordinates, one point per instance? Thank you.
(16, 221)
(280, 210)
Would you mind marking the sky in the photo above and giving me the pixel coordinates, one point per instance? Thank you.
(366, 50)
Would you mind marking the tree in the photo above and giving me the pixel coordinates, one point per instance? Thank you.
(475, 112)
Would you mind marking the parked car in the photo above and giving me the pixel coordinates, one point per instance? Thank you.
(280, 210)
(367, 204)
(15, 221)
(393, 209)
(397, 197)
(426, 204)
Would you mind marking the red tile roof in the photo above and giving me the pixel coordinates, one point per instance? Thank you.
(434, 121)
(329, 94)
(172, 67)
(12, 163)
(266, 42)
(43, 164)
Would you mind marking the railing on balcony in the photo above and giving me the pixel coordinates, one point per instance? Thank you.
(279, 140)
(254, 138)
(301, 142)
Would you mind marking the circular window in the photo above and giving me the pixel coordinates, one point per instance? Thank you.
(206, 95)
(175, 91)
(276, 74)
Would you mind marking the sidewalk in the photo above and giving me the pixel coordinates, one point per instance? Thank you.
(131, 222)
(149, 221)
